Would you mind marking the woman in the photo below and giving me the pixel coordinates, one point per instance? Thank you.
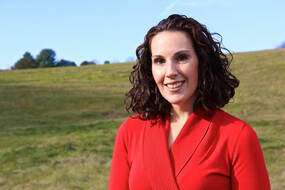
(180, 139)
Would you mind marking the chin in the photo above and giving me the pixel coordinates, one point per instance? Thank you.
(176, 102)
(181, 101)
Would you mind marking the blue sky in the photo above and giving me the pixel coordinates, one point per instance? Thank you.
(111, 30)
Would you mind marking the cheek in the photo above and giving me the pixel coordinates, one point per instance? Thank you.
(157, 76)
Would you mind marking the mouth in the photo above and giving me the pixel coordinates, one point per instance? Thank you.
(174, 85)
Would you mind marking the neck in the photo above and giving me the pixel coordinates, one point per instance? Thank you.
(180, 112)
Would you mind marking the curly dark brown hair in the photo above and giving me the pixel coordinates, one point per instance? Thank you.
(216, 84)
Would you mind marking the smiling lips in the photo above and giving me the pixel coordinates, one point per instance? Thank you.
(174, 85)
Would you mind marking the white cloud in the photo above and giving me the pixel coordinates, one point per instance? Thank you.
(220, 2)
(191, 3)
(168, 9)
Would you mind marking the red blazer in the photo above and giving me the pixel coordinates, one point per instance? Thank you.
(211, 152)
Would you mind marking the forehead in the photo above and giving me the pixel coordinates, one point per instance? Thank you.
(170, 41)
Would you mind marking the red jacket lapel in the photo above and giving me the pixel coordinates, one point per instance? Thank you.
(156, 157)
(188, 140)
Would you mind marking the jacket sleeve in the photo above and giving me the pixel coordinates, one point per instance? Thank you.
(119, 173)
(248, 166)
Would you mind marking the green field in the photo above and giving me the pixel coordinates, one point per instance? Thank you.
(58, 125)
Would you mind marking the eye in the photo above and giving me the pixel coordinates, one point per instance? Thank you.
(158, 61)
(182, 57)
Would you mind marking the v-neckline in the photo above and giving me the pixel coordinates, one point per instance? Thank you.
(167, 127)
(164, 164)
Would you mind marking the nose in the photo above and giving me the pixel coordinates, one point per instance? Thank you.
(171, 69)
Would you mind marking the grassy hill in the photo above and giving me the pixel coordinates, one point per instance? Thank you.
(57, 125)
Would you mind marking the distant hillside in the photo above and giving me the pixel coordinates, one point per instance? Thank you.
(57, 125)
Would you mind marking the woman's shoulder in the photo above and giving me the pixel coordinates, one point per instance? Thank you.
(133, 122)
(132, 125)
(223, 118)
(231, 125)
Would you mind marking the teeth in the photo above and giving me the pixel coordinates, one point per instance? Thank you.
(174, 85)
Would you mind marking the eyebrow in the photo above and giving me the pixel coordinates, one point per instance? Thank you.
(176, 53)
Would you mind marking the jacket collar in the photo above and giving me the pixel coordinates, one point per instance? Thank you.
(163, 165)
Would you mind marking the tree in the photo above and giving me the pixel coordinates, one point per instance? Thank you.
(131, 59)
(26, 62)
(65, 63)
(46, 58)
(106, 62)
(84, 63)
(282, 45)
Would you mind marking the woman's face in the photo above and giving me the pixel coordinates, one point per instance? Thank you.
(175, 67)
